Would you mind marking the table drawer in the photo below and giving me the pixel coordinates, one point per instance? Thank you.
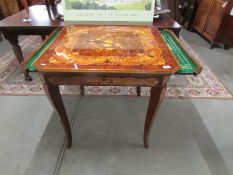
(104, 81)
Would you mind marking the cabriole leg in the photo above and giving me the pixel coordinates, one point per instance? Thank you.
(53, 93)
(156, 97)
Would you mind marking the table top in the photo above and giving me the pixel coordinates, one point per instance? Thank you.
(40, 18)
(166, 22)
(109, 49)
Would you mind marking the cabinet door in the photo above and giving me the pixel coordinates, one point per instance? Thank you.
(225, 34)
(202, 14)
(215, 19)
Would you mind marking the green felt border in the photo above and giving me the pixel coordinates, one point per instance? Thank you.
(187, 66)
(186, 63)
(30, 64)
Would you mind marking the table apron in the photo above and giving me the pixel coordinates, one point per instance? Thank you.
(104, 81)
(27, 30)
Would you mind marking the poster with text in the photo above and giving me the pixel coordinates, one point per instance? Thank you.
(109, 10)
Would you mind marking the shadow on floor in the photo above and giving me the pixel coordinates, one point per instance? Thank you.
(107, 136)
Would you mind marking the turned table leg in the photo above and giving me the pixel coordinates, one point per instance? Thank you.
(156, 97)
(53, 93)
(14, 41)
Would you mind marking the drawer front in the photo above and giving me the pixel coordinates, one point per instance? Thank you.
(103, 81)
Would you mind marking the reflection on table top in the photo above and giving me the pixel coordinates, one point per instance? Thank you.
(119, 49)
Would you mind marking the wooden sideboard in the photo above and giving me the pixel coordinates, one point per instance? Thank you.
(214, 22)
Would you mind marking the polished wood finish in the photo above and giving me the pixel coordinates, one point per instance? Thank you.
(25, 4)
(25, 61)
(104, 81)
(156, 97)
(13, 39)
(53, 93)
(214, 22)
(202, 14)
(43, 23)
(225, 34)
(114, 49)
(52, 80)
(132, 76)
(166, 22)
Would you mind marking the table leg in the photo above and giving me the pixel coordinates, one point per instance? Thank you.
(177, 32)
(14, 41)
(1, 36)
(53, 93)
(138, 91)
(156, 97)
(81, 90)
(212, 44)
(43, 37)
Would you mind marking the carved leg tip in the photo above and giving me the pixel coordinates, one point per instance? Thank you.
(146, 146)
(68, 146)
(212, 46)
(28, 78)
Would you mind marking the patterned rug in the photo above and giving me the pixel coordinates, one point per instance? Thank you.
(205, 85)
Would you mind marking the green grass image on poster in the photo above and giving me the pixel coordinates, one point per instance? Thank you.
(108, 4)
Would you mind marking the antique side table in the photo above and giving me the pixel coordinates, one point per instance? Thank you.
(107, 55)
(42, 24)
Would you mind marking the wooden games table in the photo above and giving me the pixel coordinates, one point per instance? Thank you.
(43, 23)
(107, 56)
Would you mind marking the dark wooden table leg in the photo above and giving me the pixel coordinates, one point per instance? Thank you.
(1, 36)
(156, 97)
(14, 41)
(43, 37)
(138, 91)
(177, 32)
(53, 93)
(27, 77)
(81, 90)
(212, 44)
